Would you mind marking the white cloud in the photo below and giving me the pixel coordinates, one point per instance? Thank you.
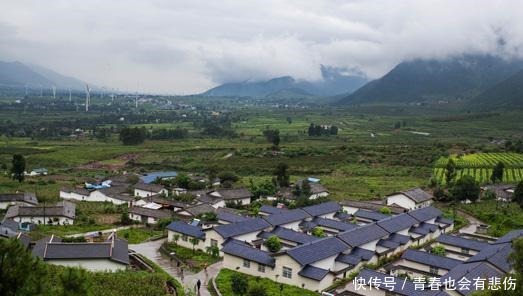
(189, 46)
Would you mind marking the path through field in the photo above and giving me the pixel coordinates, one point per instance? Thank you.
(151, 251)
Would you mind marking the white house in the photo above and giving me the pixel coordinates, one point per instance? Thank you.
(238, 195)
(145, 190)
(63, 213)
(148, 216)
(23, 199)
(411, 199)
(110, 255)
(115, 195)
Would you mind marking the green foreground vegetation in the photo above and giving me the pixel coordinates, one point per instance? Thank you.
(272, 288)
(139, 235)
(194, 259)
(502, 217)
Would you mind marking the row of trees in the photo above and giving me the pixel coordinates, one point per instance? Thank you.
(321, 130)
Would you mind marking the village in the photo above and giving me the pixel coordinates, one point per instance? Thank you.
(317, 244)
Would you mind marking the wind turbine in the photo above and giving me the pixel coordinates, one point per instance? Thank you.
(69, 95)
(54, 92)
(87, 97)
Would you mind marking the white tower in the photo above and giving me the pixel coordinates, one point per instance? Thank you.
(69, 95)
(54, 92)
(87, 97)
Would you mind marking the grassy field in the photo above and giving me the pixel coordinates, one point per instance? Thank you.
(138, 235)
(501, 217)
(480, 165)
(195, 259)
(272, 288)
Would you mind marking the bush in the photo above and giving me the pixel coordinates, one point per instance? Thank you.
(239, 284)
(273, 244)
(257, 290)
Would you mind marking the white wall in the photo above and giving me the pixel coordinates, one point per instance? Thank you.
(61, 220)
(185, 243)
(402, 201)
(90, 264)
(146, 193)
(293, 225)
(4, 205)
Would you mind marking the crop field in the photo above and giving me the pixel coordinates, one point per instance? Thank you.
(480, 165)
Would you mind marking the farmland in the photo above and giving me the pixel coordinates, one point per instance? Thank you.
(480, 165)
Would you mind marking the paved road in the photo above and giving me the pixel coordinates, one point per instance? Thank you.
(151, 251)
(103, 231)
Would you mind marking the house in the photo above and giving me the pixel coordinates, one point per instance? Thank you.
(410, 199)
(503, 192)
(228, 216)
(148, 189)
(213, 200)
(365, 237)
(366, 217)
(239, 195)
(289, 219)
(239, 256)
(329, 226)
(9, 228)
(351, 206)
(246, 231)
(116, 194)
(195, 211)
(266, 210)
(414, 263)
(148, 216)
(23, 199)
(62, 213)
(163, 202)
(288, 237)
(183, 234)
(110, 255)
(324, 210)
(459, 247)
(316, 189)
(153, 176)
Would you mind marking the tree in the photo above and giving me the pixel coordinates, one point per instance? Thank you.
(132, 135)
(228, 176)
(273, 243)
(194, 242)
(438, 250)
(465, 188)
(272, 136)
(124, 219)
(497, 172)
(176, 238)
(518, 194)
(386, 211)
(213, 251)
(450, 171)
(440, 194)
(239, 283)
(74, 282)
(318, 232)
(257, 290)
(182, 180)
(282, 176)
(20, 272)
(265, 188)
(306, 188)
(18, 168)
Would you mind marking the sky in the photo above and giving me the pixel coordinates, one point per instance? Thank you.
(185, 47)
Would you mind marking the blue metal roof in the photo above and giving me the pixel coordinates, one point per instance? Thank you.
(461, 242)
(430, 259)
(423, 228)
(389, 244)
(235, 229)
(362, 253)
(271, 209)
(286, 217)
(374, 216)
(496, 255)
(231, 218)
(399, 238)
(313, 272)
(248, 252)
(509, 237)
(323, 208)
(187, 229)
(151, 177)
(317, 250)
(425, 213)
(470, 271)
(291, 235)
(362, 235)
(397, 223)
(334, 224)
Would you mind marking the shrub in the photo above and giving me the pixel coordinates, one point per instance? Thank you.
(239, 284)
(273, 244)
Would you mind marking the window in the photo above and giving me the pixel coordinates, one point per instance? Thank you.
(246, 263)
(287, 272)
(261, 268)
(465, 251)
(214, 243)
(434, 270)
(184, 238)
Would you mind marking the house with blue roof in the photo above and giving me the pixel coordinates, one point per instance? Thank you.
(459, 247)
(411, 199)
(183, 233)
(162, 175)
(414, 263)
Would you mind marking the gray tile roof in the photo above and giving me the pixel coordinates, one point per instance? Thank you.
(286, 217)
(397, 223)
(8, 228)
(355, 256)
(271, 210)
(372, 205)
(24, 239)
(235, 229)
(149, 187)
(370, 215)
(389, 244)
(317, 250)
(61, 209)
(461, 242)
(444, 220)
(496, 255)
(423, 228)
(399, 238)
(187, 229)
(334, 224)
(200, 209)
(418, 195)
(400, 286)
(430, 259)
(231, 217)
(313, 272)
(233, 194)
(290, 235)
(248, 252)
(470, 271)
(363, 235)
(206, 198)
(159, 214)
(28, 197)
(509, 237)
(322, 209)
(425, 213)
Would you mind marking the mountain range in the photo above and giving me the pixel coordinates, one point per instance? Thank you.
(17, 74)
(334, 81)
(459, 78)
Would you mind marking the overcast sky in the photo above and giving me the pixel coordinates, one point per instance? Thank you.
(184, 47)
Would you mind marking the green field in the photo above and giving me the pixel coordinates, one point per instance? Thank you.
(480, 165)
